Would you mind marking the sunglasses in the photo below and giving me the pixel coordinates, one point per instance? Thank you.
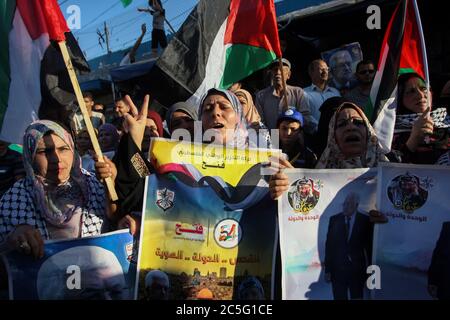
(370, 71)
(355, 121)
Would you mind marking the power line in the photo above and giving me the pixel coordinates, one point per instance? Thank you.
(101, 14)
(127, 24)
(176, 17)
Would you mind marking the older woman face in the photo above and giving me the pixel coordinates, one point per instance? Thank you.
(218, 115)
(351, 133)
(53, 159)
(415, 95)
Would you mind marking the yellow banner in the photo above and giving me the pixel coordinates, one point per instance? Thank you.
(209, 159)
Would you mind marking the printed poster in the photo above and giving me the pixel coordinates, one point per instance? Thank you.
(320, 255)
(92, 268)
(342, 62)
(412, 250)
(209, 223)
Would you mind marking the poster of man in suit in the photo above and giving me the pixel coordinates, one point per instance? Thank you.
(348, 250)
(325, 251)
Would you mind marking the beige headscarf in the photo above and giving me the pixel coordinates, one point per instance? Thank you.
(250, 112)
(332, 157)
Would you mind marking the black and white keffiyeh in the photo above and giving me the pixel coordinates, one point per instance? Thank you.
(444, 160)
(404, 122)
(17, 207)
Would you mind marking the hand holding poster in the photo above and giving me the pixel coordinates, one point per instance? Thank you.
(208, 224)
(325, 233)
(92, 268)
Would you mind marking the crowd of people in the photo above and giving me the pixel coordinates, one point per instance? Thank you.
(57, 193)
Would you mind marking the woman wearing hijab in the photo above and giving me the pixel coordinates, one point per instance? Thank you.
(223, 123)
(223, 119)
(421, 135)
(352, 143)
(57, 199)
(250, 112)
(252, 116)
(181, 115)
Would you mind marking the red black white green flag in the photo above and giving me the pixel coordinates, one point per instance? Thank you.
(220, 43)
(27, 30)
(403, 51)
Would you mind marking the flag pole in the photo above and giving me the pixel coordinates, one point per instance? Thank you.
(424, 51)
(280, 60)
(170, 26)
(86, 117)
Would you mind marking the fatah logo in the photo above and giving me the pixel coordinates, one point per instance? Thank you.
(164, 199)
(408, 192)
(228, 233)
(304, 194)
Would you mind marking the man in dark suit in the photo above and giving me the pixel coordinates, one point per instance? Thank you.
(439, 271)
(348, 250)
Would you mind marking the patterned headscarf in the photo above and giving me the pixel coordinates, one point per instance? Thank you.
(405, 122)
(250, 112)
(76, 185)
(240, 138)
(332, 157)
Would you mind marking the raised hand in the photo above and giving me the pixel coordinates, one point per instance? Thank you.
(422, 127)
(278, 182)
(134, 123)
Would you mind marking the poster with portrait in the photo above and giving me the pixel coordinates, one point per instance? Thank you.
(412, 250)
(212, 235)
(342, 62)
(92, 268)
(318, 252)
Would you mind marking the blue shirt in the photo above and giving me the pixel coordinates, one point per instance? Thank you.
(317, 97)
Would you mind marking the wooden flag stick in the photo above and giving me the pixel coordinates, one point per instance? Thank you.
(86, 117)
(284, 85)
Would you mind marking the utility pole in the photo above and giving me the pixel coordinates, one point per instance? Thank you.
(107, 38)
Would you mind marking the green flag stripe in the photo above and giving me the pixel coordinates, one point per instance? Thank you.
(406, 70)
(126, 3)
(242, 60)
(7, 9)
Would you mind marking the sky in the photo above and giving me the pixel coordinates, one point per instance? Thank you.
(124, 23)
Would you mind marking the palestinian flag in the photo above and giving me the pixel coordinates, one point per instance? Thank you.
(403, 51)
(27, 30)
(220, 43)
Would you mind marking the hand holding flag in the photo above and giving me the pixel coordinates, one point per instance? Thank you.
(26, 33)
(403, 51)
(422, 127)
